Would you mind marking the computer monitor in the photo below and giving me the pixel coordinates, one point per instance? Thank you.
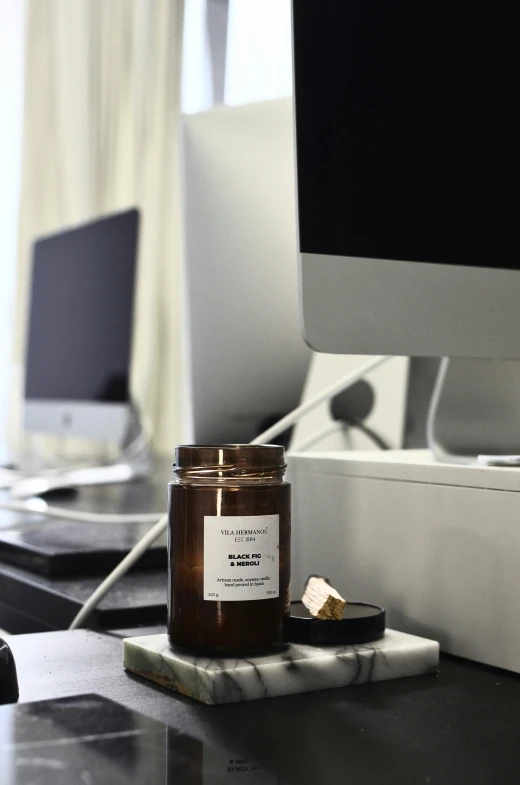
(246, 354)
(80, 329)
(408, 170)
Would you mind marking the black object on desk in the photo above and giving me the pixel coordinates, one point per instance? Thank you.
(68, 548)
(35, 603)
(8, 677)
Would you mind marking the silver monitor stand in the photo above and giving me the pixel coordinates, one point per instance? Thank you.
(475, 412)
(133, 462)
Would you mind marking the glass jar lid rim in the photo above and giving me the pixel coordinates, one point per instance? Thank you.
(230, 446)
(263, 457)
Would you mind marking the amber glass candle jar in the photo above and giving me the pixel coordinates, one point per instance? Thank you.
(229, 548)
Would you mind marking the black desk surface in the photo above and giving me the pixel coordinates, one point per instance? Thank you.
(462, 726)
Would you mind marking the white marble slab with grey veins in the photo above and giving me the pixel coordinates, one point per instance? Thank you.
(299, 668)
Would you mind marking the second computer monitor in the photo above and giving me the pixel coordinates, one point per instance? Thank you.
(247, 357)
(80, 330)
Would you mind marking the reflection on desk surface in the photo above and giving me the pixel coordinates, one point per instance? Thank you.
(89, 740)
(56, 547)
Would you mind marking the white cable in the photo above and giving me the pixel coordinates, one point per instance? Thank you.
(42, 508)
(156, 531)
(117, 573)
(329, 392)
(317, 436)
(439, 453)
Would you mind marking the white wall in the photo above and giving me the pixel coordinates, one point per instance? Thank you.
(258, 57)
(12, 17)
(259, 51)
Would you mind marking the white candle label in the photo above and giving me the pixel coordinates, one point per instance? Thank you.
(241, 557)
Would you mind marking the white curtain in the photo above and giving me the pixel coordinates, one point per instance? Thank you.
(101, 133)
(12, 35)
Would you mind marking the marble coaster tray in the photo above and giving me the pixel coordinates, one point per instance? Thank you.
(299, 668)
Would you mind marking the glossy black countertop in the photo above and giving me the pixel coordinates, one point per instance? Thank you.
(88, 739)
(461, 726)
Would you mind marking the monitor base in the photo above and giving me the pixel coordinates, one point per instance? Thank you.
(134, 462)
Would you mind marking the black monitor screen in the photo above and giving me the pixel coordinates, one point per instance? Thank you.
(408, 129)
(80, 321)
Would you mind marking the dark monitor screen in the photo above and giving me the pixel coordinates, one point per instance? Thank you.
(80, 320)
(408, 129)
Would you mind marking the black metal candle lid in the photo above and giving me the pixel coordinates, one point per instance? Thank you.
(361, 623)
